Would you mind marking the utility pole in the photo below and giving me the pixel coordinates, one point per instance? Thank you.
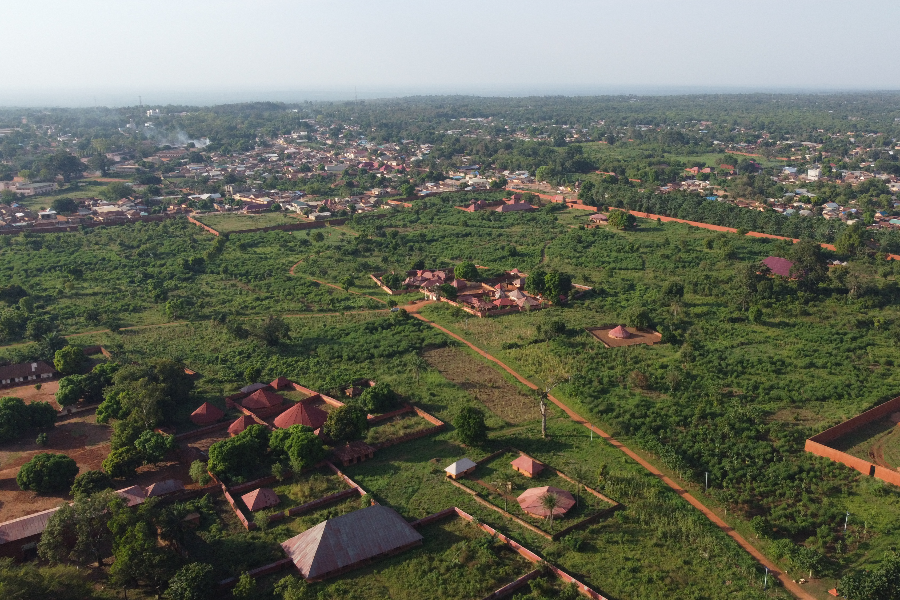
(846, 518)
(766, 579)
(707, 481)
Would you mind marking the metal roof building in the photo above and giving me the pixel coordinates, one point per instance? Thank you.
(346, 542)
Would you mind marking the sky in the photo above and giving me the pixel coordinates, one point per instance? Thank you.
(115, 52)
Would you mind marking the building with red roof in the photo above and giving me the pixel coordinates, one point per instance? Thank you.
(530, 501)
(779, 266)
(240, 425)
(527, 466)
(282, 383)
(302, 414)
(206, 414)
(338, 545)
(260, 499)
(262, 399)
(620, 333)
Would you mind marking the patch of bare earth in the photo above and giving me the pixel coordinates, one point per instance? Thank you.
(484, 383)
(29, 394)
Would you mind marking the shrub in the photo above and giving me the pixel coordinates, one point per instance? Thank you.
(41, 439)
(240, 456)
(466, 270)
(47, 474)
(199, 473)
(470, 426)
(192, 582)
(122, 462)
(298, 445)
(346, 423)
(378, 398)
(90, 482)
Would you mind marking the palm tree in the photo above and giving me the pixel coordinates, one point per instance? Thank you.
(418, 364)
(549, 502)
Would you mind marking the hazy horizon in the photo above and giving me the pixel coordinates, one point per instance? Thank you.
(203, 52)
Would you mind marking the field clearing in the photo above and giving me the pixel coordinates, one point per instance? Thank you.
(396, 427)
(228, 222)
(484, 383)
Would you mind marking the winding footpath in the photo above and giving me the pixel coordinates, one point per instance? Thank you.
(788, 584)
(331, 285)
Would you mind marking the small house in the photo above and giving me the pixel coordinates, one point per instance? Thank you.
(461, 468)
(206, 414)
(527, 466)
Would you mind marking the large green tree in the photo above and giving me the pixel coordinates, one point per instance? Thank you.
(48, 474)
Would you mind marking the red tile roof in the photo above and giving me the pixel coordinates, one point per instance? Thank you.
(779, 266)
(620, 333)
(263, 398)
(343, 542)
(241, 424)
(530, 501)
(260, 499)
(301, 414)
(528, 465)
(281, 383)
(206, 414)
(161, 488)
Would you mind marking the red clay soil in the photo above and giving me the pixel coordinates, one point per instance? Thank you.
(29, 394)
(794, 588)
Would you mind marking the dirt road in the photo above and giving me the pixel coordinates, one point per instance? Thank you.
(794, 588)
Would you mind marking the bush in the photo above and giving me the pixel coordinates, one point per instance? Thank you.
(199, 473)
(122, 462)
(18, 418)
(466, 270)
(90, 482)
(42, 439)
(298, 445)
(192, 582)
(378, 399)
(241, 456)
(70, 360)
(346, 423)
(47, 474)
(470, 426)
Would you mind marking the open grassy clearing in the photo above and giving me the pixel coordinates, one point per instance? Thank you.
(396, 427)
(229, 222)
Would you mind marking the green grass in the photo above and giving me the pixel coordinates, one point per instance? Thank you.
(230, 222)
(396, 427)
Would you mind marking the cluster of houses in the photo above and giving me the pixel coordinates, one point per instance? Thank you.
(482, 298)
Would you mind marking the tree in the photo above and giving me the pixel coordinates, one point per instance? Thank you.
(64, 206)
(154, 446)
(407, 190)
(122, 462)
(99, 162)
(17, 418)
(470, 426)
(346, 423)
(138, 557)
(852, 240)
(808, 560)
(297, 445)
(80, 532)
(245, 587)
(31, 582)
(47, 474)
(378, 398)
(241, 456)
(199, 472)
(880, 583)
(810, 267)
(466, 270)
(536, 280)
(273, 331)
(192, 582)
(672, 290)
(549, 502)
(69, 391)
(638, 316)
(8, 197)
(91, 482)
(67, 165)
(70, 360)
(621, 219)
(418, 365)
(557, 285)
(116, 191)
(447, 291)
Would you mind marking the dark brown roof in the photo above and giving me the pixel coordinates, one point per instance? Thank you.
(348, 540)
(25, 370)
(353, 450)
(161, 488)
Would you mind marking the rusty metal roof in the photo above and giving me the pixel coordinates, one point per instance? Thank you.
(25, 527)
(164, 487)
(348, 540)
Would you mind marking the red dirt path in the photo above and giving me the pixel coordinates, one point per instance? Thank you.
(794, 588)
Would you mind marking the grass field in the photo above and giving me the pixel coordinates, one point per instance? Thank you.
(230, 222)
